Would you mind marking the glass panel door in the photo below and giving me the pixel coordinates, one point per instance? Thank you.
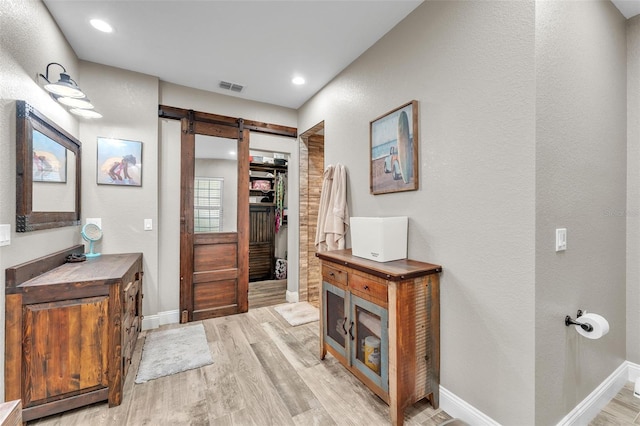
(371, 340)
(335, 317)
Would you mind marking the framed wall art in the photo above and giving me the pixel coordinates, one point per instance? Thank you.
(119, 162)
(49, 159)
(394, 139)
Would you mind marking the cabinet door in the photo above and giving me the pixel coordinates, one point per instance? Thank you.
(335, 321)
(370, 340)
(65, 348)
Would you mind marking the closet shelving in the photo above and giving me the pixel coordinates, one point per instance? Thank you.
(262, 221)
(262, 171)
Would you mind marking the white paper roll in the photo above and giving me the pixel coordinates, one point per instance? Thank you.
(599, 324)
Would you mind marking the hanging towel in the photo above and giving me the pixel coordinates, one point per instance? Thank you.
(333, 214)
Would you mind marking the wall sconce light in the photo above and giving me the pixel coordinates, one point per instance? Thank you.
(67, 92)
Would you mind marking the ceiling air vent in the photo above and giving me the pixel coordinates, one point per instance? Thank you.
(231, 86)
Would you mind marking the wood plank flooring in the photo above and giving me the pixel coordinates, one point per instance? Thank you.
(267, 293)
(265, 372)
(624, 409)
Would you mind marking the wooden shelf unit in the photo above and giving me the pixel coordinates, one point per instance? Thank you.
(70, 330)
(262, 224)
(396, 302)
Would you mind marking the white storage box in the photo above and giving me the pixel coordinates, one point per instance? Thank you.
(382, 239)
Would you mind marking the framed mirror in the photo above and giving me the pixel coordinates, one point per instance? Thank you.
(47, 173)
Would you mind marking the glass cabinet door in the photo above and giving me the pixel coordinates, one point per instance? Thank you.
(370, 340)
(334, 317)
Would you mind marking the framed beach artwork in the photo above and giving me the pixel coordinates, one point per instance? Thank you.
(394, 150)
(119, 162)
(49, 159)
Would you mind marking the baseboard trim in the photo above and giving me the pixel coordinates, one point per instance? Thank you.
(458, 408)
(292, 296)
(162, 318)
(589, 408)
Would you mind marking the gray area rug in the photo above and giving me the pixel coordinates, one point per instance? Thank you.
(298, 313)
(174, 350)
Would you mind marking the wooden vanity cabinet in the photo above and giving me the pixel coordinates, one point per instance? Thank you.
(71, 329)
(396, 307)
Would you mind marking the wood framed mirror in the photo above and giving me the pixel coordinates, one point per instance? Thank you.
(47, 173)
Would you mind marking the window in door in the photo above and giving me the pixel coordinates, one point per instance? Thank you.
(208, 204)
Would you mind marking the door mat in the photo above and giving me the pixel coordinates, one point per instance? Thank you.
(172, 351)
(298, 313)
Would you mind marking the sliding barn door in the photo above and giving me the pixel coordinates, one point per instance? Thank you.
(214, 243)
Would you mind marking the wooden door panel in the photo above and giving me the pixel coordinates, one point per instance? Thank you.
(218, 294)
(67, 351)
(215, 257)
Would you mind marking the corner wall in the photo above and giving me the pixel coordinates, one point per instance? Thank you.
(471, 67)
(29, 41)
(580, 185)
(633, 190)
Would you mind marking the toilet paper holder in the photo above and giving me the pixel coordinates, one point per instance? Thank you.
(584, 325)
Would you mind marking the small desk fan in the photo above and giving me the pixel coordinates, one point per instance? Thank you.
(91, 233)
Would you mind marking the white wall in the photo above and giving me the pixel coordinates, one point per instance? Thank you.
(29, 41)
(633, 190)
(169, 201)
(128, 102)
(471, 67)
(581, 186)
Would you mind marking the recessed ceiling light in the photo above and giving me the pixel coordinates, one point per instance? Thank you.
(297, 80)
(101, 25)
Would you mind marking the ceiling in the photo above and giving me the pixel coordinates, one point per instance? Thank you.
(629, 8)
(260, 45)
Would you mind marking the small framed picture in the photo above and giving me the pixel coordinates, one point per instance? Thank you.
(49, 159)
(119, 162)
(394, 150)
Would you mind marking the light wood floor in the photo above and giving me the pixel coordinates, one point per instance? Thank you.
(265, 372)
(267, 293)
(624, 409)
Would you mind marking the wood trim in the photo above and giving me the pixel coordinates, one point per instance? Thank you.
(219, 238)
(243, 222)
(215, 312)
(13, 347)
(115, 374)
(175, 113)
(397, 270)
(63, 405)
(16, 275)
(187, 152)
(433, 288)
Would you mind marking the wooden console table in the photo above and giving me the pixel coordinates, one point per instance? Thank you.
(382, 322)
(70, 330)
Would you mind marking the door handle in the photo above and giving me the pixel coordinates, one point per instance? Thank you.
(343, 327)
(350, 333)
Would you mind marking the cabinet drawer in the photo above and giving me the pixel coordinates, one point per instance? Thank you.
(363, 285)
(334, 276)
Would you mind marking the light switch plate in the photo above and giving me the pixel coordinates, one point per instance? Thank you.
(5, 235)
(561, 239)
(148, 224)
